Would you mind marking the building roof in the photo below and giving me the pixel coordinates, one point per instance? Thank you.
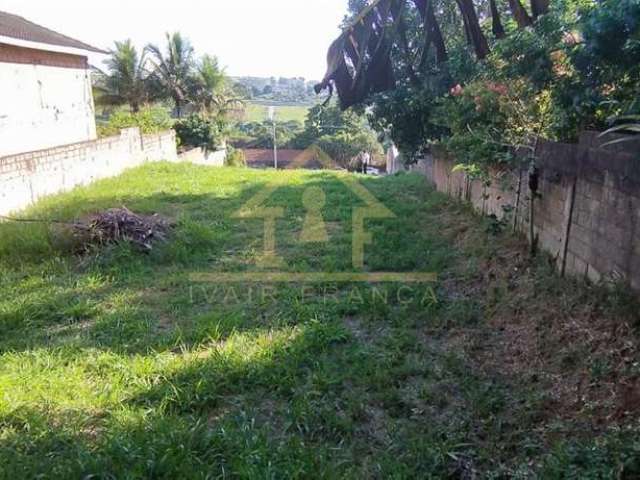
(19, 28)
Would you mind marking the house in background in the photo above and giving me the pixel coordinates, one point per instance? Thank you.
(46, 98)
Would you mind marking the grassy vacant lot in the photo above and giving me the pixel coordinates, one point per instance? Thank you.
(114, 365)
(258, 113)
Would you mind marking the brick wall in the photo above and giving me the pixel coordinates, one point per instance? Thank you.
(587, 215)
(26, 177)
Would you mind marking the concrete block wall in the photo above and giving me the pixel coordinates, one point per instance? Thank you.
(501, 197)
(605, 231)
(27, 177)
(199, 156)
(587, 213)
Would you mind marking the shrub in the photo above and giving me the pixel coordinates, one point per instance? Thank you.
(628, 124)
(573, 70)
(326, 121)
(343, 147)
(198, 131)
(235, 158)
(486, 120)
(406, 114)
(148, 120)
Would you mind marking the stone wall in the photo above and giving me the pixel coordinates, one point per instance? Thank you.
(587, 214)
(26, 177)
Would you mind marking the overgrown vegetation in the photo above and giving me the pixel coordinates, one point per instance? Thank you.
(198, 131)
(235, 158)
(148, 119)
(143, 80)
(115, 364)
(521, 73)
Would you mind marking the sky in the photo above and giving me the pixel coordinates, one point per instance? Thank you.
(280, 38)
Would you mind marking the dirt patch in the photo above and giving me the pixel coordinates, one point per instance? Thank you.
(555, 337)
(376, 424)
(581, 358)
(362, 332)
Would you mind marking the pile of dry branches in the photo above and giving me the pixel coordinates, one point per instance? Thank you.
(122, 225)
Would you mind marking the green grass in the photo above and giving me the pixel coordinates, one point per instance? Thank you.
(115, 365)
(284, 113)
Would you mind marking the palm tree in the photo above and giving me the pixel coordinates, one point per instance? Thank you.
(172, 69)
(125, 81)
(209, 80)
(630, 125)
(209, 90)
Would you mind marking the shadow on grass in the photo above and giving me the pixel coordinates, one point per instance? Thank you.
(179, 426)
(144, 302)
(111, 368)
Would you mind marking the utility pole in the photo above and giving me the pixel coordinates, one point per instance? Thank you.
(275, 147)
(272, 117)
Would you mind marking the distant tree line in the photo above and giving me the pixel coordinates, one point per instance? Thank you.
(342, 135)
(286, 90)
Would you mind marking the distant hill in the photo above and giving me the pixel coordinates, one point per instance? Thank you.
(287, 91)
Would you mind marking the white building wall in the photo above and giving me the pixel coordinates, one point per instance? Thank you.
(43, 106)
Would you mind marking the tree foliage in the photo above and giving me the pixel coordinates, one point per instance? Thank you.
(173, 68)
(209, 89)
(147, 119)
(197, 131)
(340, 134)
(260, 134)
(549, 68)
(169, 73)
(126, 80)
(361, 60)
